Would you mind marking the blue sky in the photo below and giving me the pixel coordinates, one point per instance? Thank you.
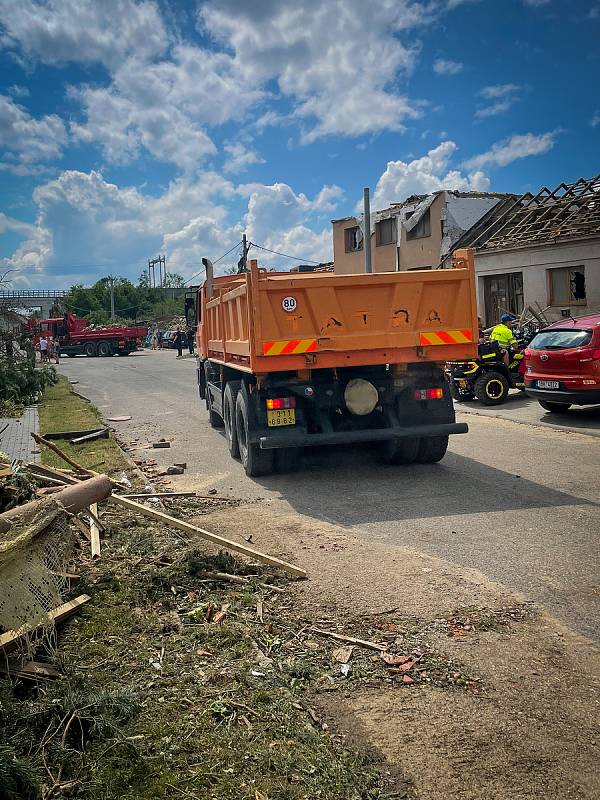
(133, 127)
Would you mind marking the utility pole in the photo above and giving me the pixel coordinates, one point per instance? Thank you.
(162, 272)
(367, 229)
(243, 262)
(112, 296)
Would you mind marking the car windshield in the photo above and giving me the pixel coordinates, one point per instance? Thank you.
(558, 339)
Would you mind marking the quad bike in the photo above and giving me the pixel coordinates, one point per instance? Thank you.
(488, 378)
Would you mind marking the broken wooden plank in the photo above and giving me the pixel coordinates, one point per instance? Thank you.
(10, 640)
(83, 528)
(50, 472)
(71, 434)
(31, 670)
(351, 639)
(59, 452)
(94, 530)
(91, 437)
(159, 494)
(220, 541)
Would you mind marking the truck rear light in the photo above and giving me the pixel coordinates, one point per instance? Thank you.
(276, 403)
(429, 394)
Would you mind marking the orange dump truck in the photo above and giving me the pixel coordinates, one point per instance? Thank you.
(291, 360)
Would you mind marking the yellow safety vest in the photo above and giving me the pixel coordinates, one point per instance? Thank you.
(503, 335)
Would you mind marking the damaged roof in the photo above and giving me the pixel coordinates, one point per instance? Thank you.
(571, 211)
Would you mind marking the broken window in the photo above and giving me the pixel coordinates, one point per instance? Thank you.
(353, 238)
(567, 286)
(423, 227)
(386, 231)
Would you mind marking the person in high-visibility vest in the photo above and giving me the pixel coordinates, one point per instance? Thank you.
(502, 334)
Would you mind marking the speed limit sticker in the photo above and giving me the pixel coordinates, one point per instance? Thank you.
(289, 304)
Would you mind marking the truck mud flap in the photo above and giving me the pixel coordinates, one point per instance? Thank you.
(293, 439)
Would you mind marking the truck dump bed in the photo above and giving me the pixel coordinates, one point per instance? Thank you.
(264, 322)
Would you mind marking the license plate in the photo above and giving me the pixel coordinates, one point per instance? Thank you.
(548, 384)
(282, 416)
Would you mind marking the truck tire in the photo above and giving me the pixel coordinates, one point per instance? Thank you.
(401, 451)
(89, 349)
(229, 397)
(555, 408)
(288, 459)
(432, 450)
(491, 388)
(104, 349)
(255, 461)
(214, 419)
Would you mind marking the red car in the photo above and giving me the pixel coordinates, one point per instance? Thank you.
(562, 364)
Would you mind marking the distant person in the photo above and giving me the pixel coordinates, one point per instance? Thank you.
(178, 341)
(190, 340)
(53, 350)
(154, 340)
(43, 349)
(160, 335)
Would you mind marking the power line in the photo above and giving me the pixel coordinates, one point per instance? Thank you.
(237, 244)
(285, 255)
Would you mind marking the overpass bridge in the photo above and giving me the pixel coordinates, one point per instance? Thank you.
(43, 299)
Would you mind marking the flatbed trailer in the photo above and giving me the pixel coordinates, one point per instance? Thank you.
(293, 360)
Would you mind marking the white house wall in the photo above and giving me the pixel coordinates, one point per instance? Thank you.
(533, 263)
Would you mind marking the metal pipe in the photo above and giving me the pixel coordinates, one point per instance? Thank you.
(209, 276)
(367, 229)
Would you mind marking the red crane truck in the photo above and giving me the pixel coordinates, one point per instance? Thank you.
(76, 339)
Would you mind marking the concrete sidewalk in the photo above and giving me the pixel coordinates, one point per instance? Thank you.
(16, 438)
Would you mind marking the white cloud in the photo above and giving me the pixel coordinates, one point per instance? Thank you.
(336, 65)
(87, 226)
(504, 95)
(87, 31)
(28, 142)
(424, 175)
(165, 107)
(442, 66)
(508, 150)
(240, 157)
(595, 120)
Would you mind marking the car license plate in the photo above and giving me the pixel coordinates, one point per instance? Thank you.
(282, 416)
(548, 384)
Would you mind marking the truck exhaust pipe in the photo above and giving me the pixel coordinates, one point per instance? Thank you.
(208, 265)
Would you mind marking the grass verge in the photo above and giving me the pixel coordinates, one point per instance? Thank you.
(62, 410)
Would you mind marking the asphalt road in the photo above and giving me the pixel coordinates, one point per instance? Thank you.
(519, 502)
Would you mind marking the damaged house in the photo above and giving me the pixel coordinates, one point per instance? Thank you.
(415, 234)
(539, 250)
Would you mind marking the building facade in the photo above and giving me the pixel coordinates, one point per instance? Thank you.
(542, 252)
(415, 234)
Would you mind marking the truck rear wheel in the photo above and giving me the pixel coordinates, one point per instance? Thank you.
(104, 349)
(432, 450)
(89, 349)
(254, 460)
(401, 451)
(230, 395)
(288, 459)
(214, 419)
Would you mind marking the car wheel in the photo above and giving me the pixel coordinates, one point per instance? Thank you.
(229, 397)
(491, 388)
(555, 408)
(432, 450)
(254, 460)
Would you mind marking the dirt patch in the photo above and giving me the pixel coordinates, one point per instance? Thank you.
(529, 731)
